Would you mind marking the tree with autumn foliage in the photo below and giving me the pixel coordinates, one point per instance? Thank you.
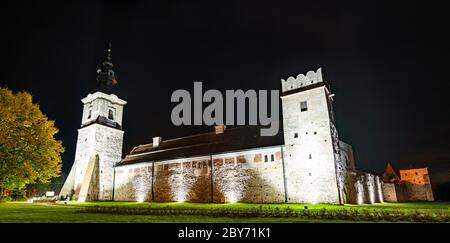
(29, 152)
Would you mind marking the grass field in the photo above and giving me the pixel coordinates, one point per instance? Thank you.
(26, 212)
(378, 206)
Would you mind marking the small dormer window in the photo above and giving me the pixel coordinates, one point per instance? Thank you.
(110, 114)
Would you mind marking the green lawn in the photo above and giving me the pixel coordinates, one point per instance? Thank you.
(421, 206)
(34, 213)
(25, 212)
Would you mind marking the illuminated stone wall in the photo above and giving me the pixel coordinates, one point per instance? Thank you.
(419, 192)
(363, 188)
(417, 184)
(389, 192)
(347, 155)
(183, 180)
(108, 146)
(133, 182)
(406, 191)
(414, 185)
(248, 176)
(89, 190)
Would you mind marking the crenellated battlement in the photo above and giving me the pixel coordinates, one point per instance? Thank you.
(301, 80)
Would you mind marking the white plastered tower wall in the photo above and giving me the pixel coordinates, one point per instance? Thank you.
(314, 172)
(100, 134)
(101, 104)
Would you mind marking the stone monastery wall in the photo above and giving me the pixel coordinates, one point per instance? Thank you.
(249, 176)
(254, 176)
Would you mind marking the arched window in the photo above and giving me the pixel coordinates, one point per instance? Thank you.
(110, 114)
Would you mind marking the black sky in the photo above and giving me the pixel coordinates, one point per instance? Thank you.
(387, 64)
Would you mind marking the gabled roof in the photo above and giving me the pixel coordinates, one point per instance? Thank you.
(389, 175)
(233, 139)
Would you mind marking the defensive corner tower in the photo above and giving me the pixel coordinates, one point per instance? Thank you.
(314, 172)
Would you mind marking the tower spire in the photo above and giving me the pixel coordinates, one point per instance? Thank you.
(109, 51)
(106, 78)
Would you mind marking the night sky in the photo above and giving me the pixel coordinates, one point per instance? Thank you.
(387, 64)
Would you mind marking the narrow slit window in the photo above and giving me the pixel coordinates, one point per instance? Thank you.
(266, 159)
(272, 158)
(303, 106)
(89, 114)
(110, 115)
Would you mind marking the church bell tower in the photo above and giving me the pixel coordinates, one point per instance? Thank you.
(100, 139)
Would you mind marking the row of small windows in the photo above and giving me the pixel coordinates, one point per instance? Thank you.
(165, 167)
(301, 84)
(415, 173)
(203, 164)
(266, 158)
(296, 134)
(110, 114)
(309, 156)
